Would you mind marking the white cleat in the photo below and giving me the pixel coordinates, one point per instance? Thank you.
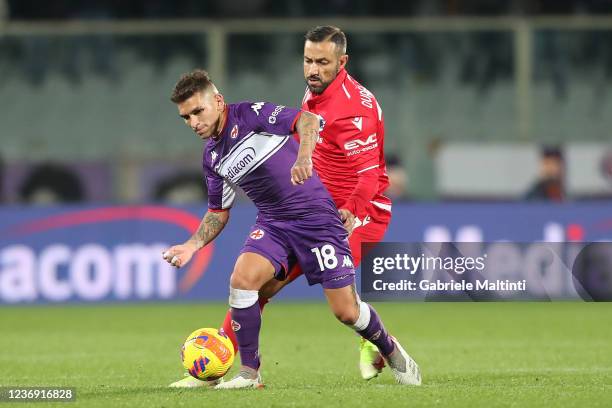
(405, 370)
(192, 382)
(241, 381)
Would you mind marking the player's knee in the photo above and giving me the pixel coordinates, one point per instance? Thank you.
(347, 315)
(240, 280)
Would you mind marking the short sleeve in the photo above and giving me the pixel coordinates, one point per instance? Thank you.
(221, 193)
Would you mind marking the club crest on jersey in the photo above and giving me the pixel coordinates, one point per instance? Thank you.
(234, 132)
(374, 337)
(213, 154)
(235, 325)
(257, 234)
(321, 123)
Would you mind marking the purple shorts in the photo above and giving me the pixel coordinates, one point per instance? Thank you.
(318, 243)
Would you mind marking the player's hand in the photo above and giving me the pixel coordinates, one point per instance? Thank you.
(179, 255)
(301, 170)
(348, 219)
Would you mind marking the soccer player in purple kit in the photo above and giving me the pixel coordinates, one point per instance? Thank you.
(251, 146)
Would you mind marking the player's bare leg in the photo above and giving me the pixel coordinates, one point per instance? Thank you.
(350, 310)
(251, 272)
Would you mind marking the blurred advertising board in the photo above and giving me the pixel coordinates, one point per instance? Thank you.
(113, 253)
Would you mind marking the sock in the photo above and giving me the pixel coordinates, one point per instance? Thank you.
(227, 323)
(247, 323)
(376, 333)
(262, 303)
(227, 328)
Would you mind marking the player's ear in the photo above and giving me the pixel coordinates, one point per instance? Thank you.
(343, 60)
(219, 101)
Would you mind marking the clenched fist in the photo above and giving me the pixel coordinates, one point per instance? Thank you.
(179, 255)
(301, 170)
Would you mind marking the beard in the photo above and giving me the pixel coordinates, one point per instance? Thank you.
(319, 89)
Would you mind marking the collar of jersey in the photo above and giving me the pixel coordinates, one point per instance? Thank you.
(332, 88)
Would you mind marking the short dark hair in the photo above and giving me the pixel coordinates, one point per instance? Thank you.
(551, 152)
(328, 33)
(190, 83)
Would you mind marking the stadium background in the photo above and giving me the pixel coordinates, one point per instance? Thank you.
(497, 127)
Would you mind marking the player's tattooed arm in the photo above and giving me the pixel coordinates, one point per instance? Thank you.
(307, 127)
(212, 224)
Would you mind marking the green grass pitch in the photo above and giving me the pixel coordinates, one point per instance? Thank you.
(471, 354)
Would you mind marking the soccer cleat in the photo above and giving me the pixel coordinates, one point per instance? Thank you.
(405, 370)
(192, 382)
(371, 361)
(242, 380)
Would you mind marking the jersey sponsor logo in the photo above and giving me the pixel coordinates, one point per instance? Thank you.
(363, 150)
(357, 143)
(347, 262)
(241, 161)
(273, 115)
(257, 107)
(213, 154)
(234, 132)
(358, 122)
(359, 146)
(248, 154)
(257, 234)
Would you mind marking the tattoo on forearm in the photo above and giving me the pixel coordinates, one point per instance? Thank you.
(307, 128)
(310, 137)
(209, 228)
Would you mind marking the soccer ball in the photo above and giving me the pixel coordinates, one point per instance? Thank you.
(207, 354)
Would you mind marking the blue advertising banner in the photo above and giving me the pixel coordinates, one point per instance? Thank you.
(111, 254)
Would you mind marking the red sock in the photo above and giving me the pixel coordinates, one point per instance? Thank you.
(227, 324)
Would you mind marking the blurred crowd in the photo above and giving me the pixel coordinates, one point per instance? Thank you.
(487, 56)
(49, 183)
(136, 9)
(483, 59)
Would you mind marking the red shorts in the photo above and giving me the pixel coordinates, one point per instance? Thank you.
(371, 232)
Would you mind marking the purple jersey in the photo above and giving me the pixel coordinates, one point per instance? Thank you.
(255, 151)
